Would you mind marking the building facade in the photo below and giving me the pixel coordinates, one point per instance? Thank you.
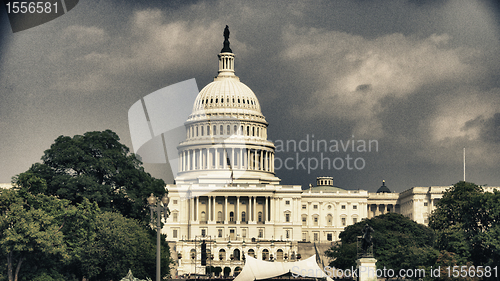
(227, 195)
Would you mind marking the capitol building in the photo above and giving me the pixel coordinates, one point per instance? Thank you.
(227, 194)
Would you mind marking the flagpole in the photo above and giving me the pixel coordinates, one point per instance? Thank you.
(464, 163)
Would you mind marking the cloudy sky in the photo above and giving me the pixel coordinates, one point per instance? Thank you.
(421, 78)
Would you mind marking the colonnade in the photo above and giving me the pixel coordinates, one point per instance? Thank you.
(226, 158)
(244, 209)
(380, 209)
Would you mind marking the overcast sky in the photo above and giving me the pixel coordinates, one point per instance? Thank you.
(421, 78)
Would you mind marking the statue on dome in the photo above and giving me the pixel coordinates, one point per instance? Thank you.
(226, 48)
(226, 33)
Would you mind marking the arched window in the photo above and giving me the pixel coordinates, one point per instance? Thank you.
(279, 255)
(265, 254)
(236, 254)
(243, 216)
(248, 130)
(215, 130)
(259, 216)
(201, 130)
(208, 130)
(253, 131)
(235, 130)
(203, 216)
(228, 130)
(231, 216)
(192, 254)
(219, 216)
(251, 253)
(329, 220)
(221, 130)
(222, 254)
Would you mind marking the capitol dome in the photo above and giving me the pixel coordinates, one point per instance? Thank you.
(226, 95)
(226, 133)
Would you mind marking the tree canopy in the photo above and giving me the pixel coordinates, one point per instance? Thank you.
(398, 242)
(95, 166)
(81, 213)
(467, 223)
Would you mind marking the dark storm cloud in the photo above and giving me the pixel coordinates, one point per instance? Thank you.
(412, 75)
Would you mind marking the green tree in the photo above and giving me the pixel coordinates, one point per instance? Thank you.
(398, 242)
(467, 223)
(95, 166)
(30, 226)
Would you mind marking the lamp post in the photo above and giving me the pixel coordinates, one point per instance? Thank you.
(158, 207)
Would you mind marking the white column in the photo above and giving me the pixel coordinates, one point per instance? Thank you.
(248, 159)
(224, 159)
(261, 160)
(265, 213)
(209, 213)
(240, 160)
(225, 209)
(216, 155)
(197, 213)
(192, 209)
(255, 208)
(272, 162)
(272, 204)
(237, 217)
(200, 162)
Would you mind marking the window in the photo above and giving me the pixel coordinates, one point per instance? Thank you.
(203, 232)
(259, 216)
(354, 207)
(261, 233)
(287, 217)
(304, 220)
(329, 237)
(219, 232)
(425, 204)
(243, 216)
(343, 207)
(219, 216)
(315, 219)
(231, 216)
(244, 233)
(329, 220)
(304, 207)
(304, 236)
(287, 232)
(315, 207)
(329, 207)
(175, 202)
(203, 216)
(232, 235)
(174, 233)
(287, 202)
(251, 253)
(221, 130)
(343, 221)
(316, 237)
(354, 220)
(175, 216)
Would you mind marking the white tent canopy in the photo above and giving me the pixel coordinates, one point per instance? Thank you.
(257, 269)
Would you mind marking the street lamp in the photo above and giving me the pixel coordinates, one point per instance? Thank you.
(158, 207)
